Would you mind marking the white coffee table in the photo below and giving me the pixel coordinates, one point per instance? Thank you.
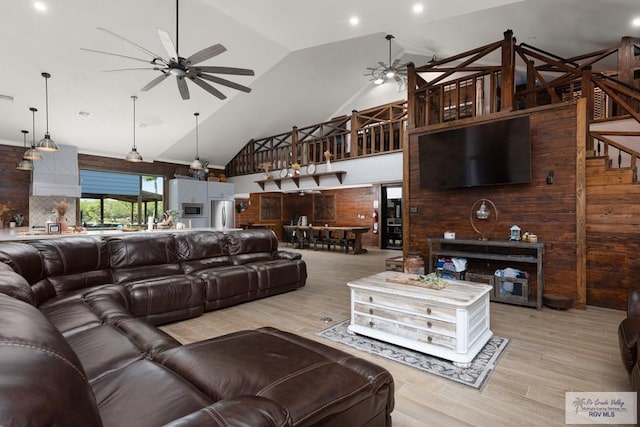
(450, 323)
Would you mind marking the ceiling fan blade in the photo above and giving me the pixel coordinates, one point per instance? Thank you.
(116, 54)
(130, 69)
(206, 86)
(168, 45)
(182, 87)
(382, 64)
(145, 50)
(227, 70)
(206, 53)
(154, 82)
(225, 82)
(395, 63)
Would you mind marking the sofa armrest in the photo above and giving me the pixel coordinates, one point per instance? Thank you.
(286, 255)
(633, 303)
(14, 285)
(243, 411)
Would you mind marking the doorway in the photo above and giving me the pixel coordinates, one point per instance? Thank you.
(391, 217)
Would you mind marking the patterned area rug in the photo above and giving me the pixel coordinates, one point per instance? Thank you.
(475, 376)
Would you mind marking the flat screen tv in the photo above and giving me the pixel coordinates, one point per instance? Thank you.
(492, 153)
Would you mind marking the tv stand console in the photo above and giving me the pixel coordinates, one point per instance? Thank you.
(500, 253)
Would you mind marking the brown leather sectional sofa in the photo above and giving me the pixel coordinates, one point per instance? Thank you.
(628, 333)
(78, 345)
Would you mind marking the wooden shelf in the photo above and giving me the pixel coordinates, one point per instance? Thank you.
(494, 250)
(296, 179)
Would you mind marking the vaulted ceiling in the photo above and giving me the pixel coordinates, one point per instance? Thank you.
(308, 60)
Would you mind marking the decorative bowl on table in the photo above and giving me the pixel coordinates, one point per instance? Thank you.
(431, 280)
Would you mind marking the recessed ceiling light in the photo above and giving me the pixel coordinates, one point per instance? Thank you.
(83, 113)
(40, 6)
(354, 20)
(418, 8)
(636, 22)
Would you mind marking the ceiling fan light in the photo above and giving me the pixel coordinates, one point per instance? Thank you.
(47, 144)
(378, 81)
(390, 74)
(25, 165)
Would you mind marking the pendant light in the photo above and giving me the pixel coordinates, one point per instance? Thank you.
(32, 153)
(46, 143)
(133, 155)
(196, 164)
(25, 165)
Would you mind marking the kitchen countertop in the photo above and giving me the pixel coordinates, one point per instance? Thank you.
(19, 234)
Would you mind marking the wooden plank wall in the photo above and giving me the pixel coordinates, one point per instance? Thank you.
(549, 211)
(349, 203)
(14, 186)
(613, 241)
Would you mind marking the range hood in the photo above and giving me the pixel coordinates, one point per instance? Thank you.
(57, 174)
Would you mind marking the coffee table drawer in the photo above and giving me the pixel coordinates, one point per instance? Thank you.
(404, 331)
(417, 306)
(419, 321)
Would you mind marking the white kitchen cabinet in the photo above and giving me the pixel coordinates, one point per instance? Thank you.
(186, 191)
(220, 190)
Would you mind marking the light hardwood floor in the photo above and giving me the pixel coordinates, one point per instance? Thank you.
(551, 352)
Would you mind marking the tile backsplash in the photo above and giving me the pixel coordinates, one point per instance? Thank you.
(41, 210)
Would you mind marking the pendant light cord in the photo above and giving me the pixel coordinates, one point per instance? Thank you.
(134, 120)
(197, 114)
(46, 98)
(33, 135)
(177, 51)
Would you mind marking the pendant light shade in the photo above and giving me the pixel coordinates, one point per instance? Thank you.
(46, 143)
(32, 153)
(25, 165)
(133, 155)
(196, 164)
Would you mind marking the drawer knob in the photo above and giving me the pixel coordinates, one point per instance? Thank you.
(429, 339)
(428, 324)
(370, 299)
(428, 311)
(371, 324)
(371, 311)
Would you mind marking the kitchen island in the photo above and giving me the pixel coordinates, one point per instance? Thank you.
(21, 234)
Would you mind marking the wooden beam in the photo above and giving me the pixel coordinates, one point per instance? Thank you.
(507, 74)
(582, 132)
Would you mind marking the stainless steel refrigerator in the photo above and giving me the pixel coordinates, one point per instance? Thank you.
(222, 214)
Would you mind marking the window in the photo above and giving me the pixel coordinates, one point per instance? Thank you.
(113, 199)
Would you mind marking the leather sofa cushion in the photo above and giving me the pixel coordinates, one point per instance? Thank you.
(14, 285)
(313, 381)
(41, 379)
(192, 245)
(166, 299)
(86, 279)
(195, 265)
(136, 250)
(71, 317)
(103, 349)
(628, 331)
(252, 241)
(252, 257)
(75, 254)
(145, 394)
(126, 275)
(226, 286)
(273, 274)
(24, 259)
(249, 411)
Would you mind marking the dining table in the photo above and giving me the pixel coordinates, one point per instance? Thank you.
(346, 234)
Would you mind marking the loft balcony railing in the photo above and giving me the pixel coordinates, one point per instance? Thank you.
(464, 87)
(373, 131)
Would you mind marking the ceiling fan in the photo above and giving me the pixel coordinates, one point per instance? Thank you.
(388, 71)
(183, 68)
